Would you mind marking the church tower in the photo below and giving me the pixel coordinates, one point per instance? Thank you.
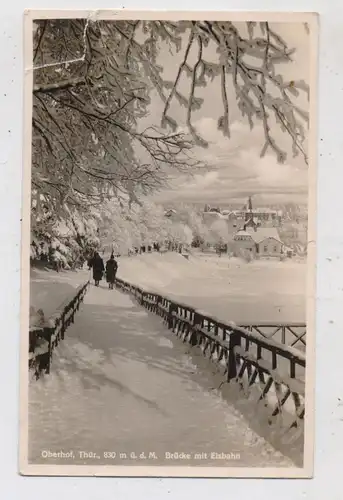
(249, 217)
(248, 213)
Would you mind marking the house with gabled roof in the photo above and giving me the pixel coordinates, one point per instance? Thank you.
(242, 240)
(261, 241)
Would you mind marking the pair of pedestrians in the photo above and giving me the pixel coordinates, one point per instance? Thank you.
(97, 264)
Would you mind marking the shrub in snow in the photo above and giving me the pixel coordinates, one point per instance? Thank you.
(244, 254)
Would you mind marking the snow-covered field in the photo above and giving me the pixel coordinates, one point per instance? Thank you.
(230, 289)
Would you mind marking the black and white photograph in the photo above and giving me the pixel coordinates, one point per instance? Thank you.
(168, 261)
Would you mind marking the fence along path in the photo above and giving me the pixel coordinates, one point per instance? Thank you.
(122, 382)
(255, 366)
(256, 363)
(291, 334)
(43, 339)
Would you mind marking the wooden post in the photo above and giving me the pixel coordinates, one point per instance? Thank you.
(234, 341)
(197, 325)
(171, 314)
(158, 304)
(72, 311)
(63, 328)
(48, 332)
(32, 340)
(79, 298)
(283, 334)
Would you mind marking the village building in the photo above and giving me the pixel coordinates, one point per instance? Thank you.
(252, 222)
(254, 230)
(266, 217)
(262, 242)
(259, 217)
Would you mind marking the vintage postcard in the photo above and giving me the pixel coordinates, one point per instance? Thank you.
(168, 259)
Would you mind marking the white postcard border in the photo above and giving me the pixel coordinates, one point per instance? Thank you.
(175, 471)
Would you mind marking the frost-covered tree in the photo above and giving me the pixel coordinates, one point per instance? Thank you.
(180, 234)
(123, 227)
(92, 87)
(86, 111)
(219, 231)
(63, 242)
(152, 222)
(191, 217)
(86, 143)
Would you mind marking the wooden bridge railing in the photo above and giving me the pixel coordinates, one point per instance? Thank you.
(44, 339)
(292, 334)
(244, 355)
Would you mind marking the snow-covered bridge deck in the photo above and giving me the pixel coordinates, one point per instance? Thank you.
(122, 383)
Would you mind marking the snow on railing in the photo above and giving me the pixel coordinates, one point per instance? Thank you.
(44, 339)
(272, 370)
(291, 334)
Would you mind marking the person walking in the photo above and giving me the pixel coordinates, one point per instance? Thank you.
(98, 267)
(111, 271)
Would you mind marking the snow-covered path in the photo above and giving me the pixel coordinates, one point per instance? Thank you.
(122, 383)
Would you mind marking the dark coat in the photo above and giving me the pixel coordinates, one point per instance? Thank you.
(111, 270)
(98, 267)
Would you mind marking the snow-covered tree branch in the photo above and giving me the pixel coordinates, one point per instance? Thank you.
(86, 143)
(249, 62)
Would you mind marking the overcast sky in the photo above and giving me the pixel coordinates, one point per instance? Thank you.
(239, 171)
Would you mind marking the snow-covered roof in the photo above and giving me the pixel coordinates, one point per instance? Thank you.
(241, 232)
(170, 212)
(265, 210)
(213, 215)
(263, 233)
(255, 220)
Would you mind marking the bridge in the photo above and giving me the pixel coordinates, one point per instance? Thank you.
(130, 371)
